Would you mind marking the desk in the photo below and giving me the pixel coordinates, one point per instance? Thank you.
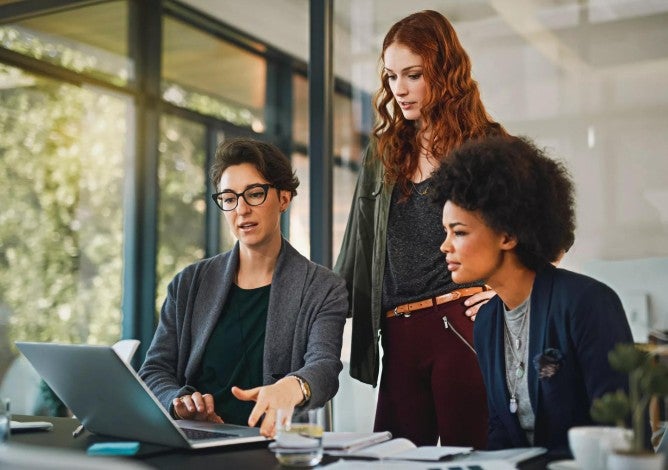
(251, 456)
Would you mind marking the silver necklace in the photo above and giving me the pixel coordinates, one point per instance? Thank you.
(518, 355)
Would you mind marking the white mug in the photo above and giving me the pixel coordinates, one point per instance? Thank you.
(591, 445)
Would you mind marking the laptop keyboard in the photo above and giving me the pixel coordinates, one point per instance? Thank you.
(199, 434)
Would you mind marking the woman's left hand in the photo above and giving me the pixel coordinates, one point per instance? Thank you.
(476, 301)
(285, 394)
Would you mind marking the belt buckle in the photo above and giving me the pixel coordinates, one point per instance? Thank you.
(405, 314)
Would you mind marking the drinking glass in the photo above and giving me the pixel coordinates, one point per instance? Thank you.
(298, 440)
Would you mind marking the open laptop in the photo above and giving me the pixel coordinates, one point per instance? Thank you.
(108, 397)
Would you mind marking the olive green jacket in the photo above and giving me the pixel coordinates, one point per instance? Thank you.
(361, 263)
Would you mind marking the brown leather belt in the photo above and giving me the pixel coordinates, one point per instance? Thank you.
(405, 310)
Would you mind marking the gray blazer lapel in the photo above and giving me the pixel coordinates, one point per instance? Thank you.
(211, 297)
(285, 299)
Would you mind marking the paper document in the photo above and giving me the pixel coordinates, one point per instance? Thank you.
(30, 426)
(350, 441)
(514, 456)
(403, 449)
(405, 465)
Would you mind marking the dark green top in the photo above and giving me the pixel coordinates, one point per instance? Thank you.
(233, 354)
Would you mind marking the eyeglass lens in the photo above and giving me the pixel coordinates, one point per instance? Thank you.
(253, 196)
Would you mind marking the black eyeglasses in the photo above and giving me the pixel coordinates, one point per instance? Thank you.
(254, 196)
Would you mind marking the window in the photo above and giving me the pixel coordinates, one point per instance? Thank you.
(91, 40)
(63, 153)
(183, 199)
(213, 77)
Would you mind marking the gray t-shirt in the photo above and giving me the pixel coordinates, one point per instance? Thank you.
(517, 321)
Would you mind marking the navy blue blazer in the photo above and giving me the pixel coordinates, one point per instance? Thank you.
(579, 317)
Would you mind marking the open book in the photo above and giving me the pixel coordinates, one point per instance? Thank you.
(399, 449)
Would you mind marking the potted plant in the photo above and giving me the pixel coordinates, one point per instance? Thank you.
(647, 377)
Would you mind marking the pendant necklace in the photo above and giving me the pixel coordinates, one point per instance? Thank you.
(518, 355)
(423, 192)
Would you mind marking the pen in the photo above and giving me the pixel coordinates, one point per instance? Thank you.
(77, 432)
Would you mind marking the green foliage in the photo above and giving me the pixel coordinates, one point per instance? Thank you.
(62, 157)
(626, 358)
(647, 377)
(41, 47)
(182, 180)
(612, 408)
(655, 379)
(64, 154)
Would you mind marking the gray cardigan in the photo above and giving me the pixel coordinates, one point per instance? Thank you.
(307, 310)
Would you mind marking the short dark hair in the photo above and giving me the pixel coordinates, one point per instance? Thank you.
(274, 166)
(516, 189)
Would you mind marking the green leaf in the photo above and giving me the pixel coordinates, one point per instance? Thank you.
(626, 357)
(611, 408)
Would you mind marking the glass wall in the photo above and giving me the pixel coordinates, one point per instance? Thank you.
(183, 199)
(62, 166)
(588, 81)
(77, 167)
(211, 76)
(63, 153)
(299, 209)
(347, 154)
(91, 40)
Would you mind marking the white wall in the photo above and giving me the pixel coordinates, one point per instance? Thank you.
(589, 81)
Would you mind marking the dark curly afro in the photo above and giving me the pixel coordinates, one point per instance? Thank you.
(517, 190)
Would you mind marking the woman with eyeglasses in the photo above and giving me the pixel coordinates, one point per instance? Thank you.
(256, 328)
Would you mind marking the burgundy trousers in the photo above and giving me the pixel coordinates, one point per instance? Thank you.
(431, 384)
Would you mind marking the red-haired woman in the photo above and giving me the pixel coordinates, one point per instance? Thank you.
(428, 105)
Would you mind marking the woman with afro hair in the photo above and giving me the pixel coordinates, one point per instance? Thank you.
(543, 341)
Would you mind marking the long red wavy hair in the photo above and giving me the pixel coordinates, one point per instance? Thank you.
(452, 111)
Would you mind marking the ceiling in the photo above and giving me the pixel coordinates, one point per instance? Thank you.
(576, 35)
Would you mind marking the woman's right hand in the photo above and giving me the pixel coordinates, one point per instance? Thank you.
(197, 407)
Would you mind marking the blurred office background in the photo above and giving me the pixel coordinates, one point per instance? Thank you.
(110, 112)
